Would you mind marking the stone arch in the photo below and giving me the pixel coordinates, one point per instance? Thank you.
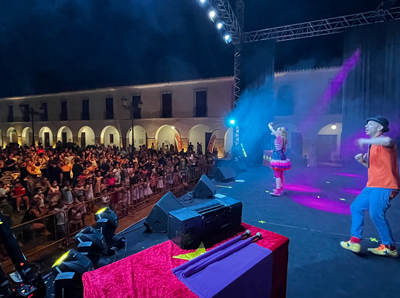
(86, 136)
(46, 137)
(27, 136)
(228, 141)
(327, 146)
(198, 134)
(65, 135)
(166, 134)
(12, 135)
(139, 134)
(110, 136)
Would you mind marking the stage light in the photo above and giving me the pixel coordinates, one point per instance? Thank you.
(212, 14)
(68, 270)
(244, 151)
(61, 259)
(232, 121)
(219, 25)
(227, 38)
(90, 243)
(73, 261)
(101, 210)
(107, 222)
(202, 1)
(333, 126)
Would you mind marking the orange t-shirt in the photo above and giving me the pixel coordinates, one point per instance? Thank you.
(383, 170)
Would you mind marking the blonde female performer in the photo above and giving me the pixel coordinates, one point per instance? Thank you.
(279, 162)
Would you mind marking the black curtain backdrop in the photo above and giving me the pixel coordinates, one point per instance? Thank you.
(256, 105)
(373, 87)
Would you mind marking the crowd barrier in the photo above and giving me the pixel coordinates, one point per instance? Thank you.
(56, 229)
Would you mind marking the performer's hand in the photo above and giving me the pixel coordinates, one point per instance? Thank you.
(359, 157)
(271, 123)
(361, 142)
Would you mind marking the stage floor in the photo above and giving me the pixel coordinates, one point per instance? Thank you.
(314, 214)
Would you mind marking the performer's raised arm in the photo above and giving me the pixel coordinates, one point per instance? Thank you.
(272, 129)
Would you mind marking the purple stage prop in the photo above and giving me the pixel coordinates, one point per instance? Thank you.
(237, 266)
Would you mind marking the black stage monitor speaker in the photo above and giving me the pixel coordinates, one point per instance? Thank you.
(225, 174)
(157, 221)
(239, 166)
(204, 188)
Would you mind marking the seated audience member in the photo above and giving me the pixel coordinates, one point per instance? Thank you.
(19, 193)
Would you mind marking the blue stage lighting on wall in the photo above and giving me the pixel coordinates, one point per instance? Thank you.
(232, 121)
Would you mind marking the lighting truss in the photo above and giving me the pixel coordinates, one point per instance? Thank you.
(322, 27)
(236, 66)
(234, 25)
(227, 15)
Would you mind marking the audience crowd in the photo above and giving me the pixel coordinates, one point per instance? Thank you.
(70, 181)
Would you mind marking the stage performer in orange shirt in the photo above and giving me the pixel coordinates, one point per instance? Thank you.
(382, 186)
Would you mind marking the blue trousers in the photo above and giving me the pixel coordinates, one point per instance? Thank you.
(377, 200)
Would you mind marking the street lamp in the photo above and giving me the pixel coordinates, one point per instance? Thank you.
(132, 107)
(32, 112)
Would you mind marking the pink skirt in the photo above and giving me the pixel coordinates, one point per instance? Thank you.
(277, 165)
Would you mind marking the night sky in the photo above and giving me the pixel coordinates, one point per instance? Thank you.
(61, 45)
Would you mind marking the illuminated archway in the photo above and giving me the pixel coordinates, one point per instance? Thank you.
(64, 135)
(139, 134)
(327, 146)
(46, 137)
(86, 137)
(1, 139)
(12, 135)
(228, 141)
(198, 135)
(110, 136)
(27, 137)
(166, 135)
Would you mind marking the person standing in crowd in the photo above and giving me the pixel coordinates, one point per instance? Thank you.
(279, 162)
(77, 170)
(10, 164)
(382, 186)
(66, 169)
(54, 172)
(199, 149)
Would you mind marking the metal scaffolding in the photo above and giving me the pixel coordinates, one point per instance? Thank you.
(322, 27)
(227, 15)
(234, 25)
(236, 67)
